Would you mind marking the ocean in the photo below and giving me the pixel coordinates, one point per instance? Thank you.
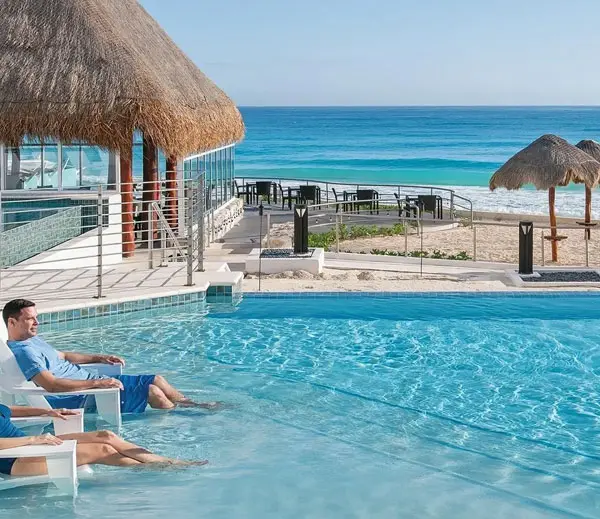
(457, 147)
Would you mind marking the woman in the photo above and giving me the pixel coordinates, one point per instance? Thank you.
(102, 447)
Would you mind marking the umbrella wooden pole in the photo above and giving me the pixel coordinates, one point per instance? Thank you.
(128, 233)
(553, 240)
(588, 211)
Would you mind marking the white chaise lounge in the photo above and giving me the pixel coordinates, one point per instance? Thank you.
(13, 384)
(61, 459)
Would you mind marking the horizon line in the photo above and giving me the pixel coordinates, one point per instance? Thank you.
(422, 106)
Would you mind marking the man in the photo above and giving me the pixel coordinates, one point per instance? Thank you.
(58, 371)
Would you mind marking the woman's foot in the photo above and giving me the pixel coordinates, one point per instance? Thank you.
(170, 463)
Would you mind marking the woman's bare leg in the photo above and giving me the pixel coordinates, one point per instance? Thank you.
(123, 447)
(87, 454)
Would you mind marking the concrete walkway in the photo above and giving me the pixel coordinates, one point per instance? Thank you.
(74, 288)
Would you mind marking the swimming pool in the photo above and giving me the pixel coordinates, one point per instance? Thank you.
(445, 406)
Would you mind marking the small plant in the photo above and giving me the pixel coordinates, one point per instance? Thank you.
(435, 254)
(326, 239)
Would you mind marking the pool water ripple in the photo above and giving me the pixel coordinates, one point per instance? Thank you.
(366, 407)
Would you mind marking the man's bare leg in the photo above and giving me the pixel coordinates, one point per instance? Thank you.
(178, 398)
(157, 399)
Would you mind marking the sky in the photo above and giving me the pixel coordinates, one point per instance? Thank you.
(391, 52)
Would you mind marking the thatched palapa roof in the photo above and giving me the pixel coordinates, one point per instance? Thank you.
(592, 148)
(547, 162)
(95, 70)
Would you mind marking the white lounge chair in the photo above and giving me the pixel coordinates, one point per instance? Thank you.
(59, 459)
(14, 384)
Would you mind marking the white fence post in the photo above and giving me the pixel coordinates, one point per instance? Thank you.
(99, 249)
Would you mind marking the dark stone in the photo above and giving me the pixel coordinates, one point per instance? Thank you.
(285, 253)
(569, 276)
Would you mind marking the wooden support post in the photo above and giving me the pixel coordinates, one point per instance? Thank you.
(127, 209)
(553, 233)
(151, 188)
(588, 211)
(171, 203)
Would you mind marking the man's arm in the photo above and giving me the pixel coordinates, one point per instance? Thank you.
(52, 384)
(84, 358)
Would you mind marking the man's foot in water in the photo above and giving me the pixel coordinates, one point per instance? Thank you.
(211, 406)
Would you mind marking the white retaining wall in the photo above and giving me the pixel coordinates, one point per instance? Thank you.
(82, 252)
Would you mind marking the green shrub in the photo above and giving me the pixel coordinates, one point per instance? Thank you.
(327, 239)
(435, 254)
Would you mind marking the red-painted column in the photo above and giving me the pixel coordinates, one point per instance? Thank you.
(127, 223)
(171, 203)
(151, 188)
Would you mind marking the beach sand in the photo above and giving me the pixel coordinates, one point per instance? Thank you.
(334, 280)
(494, 242)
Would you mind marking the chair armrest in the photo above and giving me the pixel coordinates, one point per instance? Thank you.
(26, 421)
(35, 451)
(40, 391)
(109, 370)
(73, 423)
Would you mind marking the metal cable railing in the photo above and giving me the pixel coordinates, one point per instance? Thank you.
(335, 191)
(140, 225)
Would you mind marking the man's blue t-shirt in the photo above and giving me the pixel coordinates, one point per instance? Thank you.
(36, 355)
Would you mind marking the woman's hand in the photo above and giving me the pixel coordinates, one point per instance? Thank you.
(45, 439)
(63, 414)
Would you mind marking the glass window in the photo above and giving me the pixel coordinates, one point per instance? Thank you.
(25, 166)
(50, 167)
(137, 162)
(71, 166)
(94, 166)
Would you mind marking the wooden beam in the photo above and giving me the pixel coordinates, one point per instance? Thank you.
(151, 189)
(553, 234)
(588, 210)
(127, 224)
(171, 201)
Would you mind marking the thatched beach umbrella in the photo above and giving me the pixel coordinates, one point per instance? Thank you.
(95, 70)
(592, 148)
(548, 162)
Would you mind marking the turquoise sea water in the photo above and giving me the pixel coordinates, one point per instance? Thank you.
(411, 145)
(438, 406)
(459, 147)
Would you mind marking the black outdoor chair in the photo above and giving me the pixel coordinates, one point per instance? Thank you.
(312, 193)
(287, 195)
(245, 191)
(368, 197)
(430, 204)
(337, 200)
(400, 203)
(265, 189)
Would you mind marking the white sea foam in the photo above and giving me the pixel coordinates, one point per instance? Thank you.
(569, 203)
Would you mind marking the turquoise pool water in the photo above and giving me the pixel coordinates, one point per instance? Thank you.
(359, 407)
